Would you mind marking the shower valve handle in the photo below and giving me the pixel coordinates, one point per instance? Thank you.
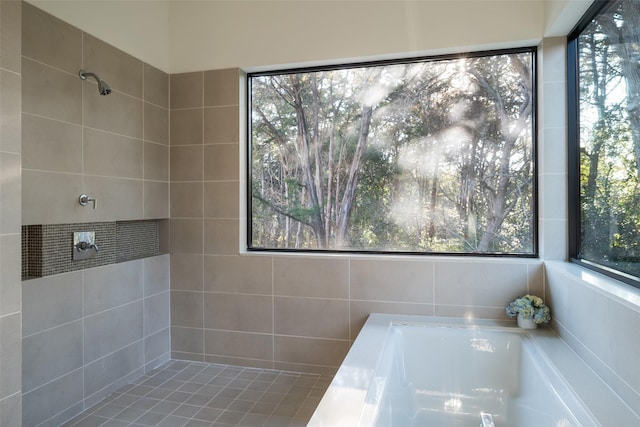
(84, 200)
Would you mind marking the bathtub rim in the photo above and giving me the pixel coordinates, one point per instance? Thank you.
(343, 405)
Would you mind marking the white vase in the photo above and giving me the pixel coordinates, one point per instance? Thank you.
(526, 323)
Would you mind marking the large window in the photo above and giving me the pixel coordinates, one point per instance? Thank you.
(430, 155)
(604, 138)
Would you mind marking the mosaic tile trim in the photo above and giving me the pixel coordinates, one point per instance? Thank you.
(32, 251)
(136, 239)
(48, 249)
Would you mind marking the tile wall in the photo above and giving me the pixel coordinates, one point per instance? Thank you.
(299, 313)
(85, 333)
(10, 184)
(113, 148)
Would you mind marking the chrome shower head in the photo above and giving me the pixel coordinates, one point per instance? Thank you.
(103, 87)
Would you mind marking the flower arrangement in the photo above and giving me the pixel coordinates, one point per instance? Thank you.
(529, 307)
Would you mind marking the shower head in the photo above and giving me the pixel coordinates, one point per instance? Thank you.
(103, 87)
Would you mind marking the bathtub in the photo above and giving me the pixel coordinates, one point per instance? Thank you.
(425, 371)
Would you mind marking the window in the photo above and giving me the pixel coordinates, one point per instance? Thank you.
(430, 155)
(604, 140)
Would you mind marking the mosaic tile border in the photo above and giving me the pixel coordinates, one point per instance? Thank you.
(136, 239)
(48, 249)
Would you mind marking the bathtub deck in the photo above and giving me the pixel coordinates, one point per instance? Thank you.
(196, 394)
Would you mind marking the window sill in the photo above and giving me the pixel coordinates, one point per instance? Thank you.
(607, 286)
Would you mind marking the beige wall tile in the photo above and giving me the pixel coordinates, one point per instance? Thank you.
(235, 312)
(157, 276)
(156, 162)
(186, 163)
(554, 59)
(59, 192)
(156, 86)
(156, 124)
(476, 283)
(554, 205)
(156, 200)
(120, 70)
(553, 248)
(157, 348)
(157, 310)
(51, 93)
(51, 145)
(108, 154)
(221, 162)
(471, 312)
(51, 354)
(609, 350)
(555, 115)
(186, 90)
(311, 317)
(221, 236)
(310, 351)
(186, 236)
(186, 309)
(311, 277)
(10, 263)
(186, 200)
(221, 125)
(187, 340)
(360, 311)
(51, 301)
(239, 344)
(240, 274)
(10, 111)
(186, 272)
(536, 279)
(110, 286)
(10, 193)
(11, 355)
(52, 398)
(222, 199)
(186, 126)
(115, 113)
(221, 87)
(11, 407)
(11, 35)
(391, 280)
(49, 40)
(118, 199)
(164, 233)
(239, 361)
(553, 150)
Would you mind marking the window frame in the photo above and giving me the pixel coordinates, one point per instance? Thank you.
(533, 50)
(573, 149)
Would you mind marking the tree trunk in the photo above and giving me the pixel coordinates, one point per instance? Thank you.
(346, 204)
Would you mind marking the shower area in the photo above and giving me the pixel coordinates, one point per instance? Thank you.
(103, 207)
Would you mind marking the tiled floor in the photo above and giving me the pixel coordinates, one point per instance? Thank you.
(195, 394)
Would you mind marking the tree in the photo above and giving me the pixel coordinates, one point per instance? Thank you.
(422, 156)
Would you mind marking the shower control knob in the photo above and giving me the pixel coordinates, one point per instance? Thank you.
(84, 199)
(85, 246)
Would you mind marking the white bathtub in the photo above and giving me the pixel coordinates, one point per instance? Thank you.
(422, 371)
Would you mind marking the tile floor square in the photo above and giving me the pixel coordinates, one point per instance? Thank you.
(195, 394)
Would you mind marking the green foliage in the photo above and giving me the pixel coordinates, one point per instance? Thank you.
(610, 141)
(439, 154)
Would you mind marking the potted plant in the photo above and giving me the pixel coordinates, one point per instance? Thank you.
(530, 310)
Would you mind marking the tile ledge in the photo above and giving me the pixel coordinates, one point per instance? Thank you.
(606, 286)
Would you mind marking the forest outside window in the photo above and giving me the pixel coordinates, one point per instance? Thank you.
(430, 155)
(604, 140)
